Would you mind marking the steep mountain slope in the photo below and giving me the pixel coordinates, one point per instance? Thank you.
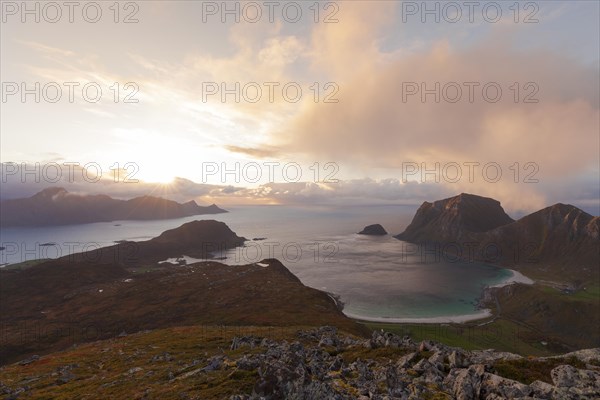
(558, 246)
(454, 218)
(560, 240)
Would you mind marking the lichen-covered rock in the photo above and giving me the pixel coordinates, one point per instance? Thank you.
(407, 360)
(466, 383)
(579, 383)
(542, 390)
(387, 339)
(490, 356)
(503, 388)
(309, 369)
(456, 359)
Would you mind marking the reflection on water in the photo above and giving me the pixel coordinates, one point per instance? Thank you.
(381, 277)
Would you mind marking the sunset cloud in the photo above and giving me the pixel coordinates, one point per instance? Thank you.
(404, 92)
(384, 120)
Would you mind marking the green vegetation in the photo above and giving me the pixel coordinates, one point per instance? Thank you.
(535, 320)
(529, 370)
(501, 334)
(24, 265)
(111, 368)
(565, 321)
(170, 364)
(438, 396)
(69, 297)
(590, 293)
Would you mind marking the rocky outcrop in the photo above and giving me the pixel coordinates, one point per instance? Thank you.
(374, 230)
(321, 365)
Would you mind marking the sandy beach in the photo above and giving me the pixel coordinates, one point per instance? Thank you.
(516, 277)
(458, 319)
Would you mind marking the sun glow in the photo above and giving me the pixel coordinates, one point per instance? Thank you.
(155, 167)
(163, 177)
(156, 156)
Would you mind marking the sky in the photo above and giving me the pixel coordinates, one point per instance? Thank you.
(341, 102)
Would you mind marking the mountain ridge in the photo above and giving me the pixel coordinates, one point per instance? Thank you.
(551, 241)
(127, 287)
(56, 206)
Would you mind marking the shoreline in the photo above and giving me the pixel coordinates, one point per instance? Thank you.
(482, 313)
(516, 277)
(446, 319)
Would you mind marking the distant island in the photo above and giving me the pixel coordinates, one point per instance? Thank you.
(55, 206)
(373, 230)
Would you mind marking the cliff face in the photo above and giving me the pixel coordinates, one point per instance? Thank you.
(56, 206)
(558, 241)
(560, 220)
(454, 218)
(561, 234)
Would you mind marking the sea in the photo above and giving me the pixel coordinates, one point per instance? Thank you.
(377, 278)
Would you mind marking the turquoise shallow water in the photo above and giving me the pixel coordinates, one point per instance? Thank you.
(381, 277)
(375, 277)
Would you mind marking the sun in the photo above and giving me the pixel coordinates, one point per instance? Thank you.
(162, 177)
(156, 164)
(152, 171)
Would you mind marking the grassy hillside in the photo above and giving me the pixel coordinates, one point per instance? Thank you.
(51, 306)
(148, 363)
(533, 320)
(202, 362)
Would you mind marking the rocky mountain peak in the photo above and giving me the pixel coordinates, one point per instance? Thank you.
(455, 217)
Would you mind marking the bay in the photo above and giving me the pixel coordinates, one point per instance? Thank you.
(377, 278)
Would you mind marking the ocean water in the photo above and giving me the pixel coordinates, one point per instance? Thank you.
(375, 277)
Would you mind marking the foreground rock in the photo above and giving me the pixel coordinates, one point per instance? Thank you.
(241, 363)
(374, 230)
(332, 366)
